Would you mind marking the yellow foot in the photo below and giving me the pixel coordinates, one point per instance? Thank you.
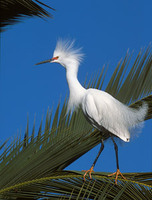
(88, 171)
(117, 173)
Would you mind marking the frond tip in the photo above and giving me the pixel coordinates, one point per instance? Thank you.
(12, 11)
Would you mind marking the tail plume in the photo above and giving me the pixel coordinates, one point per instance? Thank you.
(132, 119)
(138, 115)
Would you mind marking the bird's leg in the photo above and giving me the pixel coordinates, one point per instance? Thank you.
(118, 171)
(91, 169)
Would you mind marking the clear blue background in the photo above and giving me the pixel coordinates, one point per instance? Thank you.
(105, 30)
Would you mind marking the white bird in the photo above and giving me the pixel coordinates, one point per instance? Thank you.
(101, 109)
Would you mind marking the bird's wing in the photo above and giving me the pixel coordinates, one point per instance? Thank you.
(101, 110)
(91, 111)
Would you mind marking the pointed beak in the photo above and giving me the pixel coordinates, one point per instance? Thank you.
(48, 61)
(45, 61)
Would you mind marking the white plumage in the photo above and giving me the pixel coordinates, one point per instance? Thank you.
(99, 107)
(103, 110)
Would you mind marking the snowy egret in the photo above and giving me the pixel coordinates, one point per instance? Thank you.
(101, 109)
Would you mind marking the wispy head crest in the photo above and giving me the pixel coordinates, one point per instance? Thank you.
(65, 48)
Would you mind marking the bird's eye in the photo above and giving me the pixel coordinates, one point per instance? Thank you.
(56, 57)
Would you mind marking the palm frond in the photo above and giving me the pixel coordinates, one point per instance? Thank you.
(13, 10)
(70, 185)
(65, 138)
(129, 87)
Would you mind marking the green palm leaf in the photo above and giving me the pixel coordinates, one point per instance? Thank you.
(65, 138)
(13, 10)
(70, 185)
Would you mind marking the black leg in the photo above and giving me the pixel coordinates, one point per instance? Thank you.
(101, 149)
(116, 151)
(118, 171)
(91, 169)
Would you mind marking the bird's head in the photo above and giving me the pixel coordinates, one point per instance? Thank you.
(65, 54)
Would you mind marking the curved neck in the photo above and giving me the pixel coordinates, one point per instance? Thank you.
(76, 89)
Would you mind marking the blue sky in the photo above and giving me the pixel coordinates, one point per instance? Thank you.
(105, 30)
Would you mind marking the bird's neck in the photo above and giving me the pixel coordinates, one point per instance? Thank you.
(75, 88)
